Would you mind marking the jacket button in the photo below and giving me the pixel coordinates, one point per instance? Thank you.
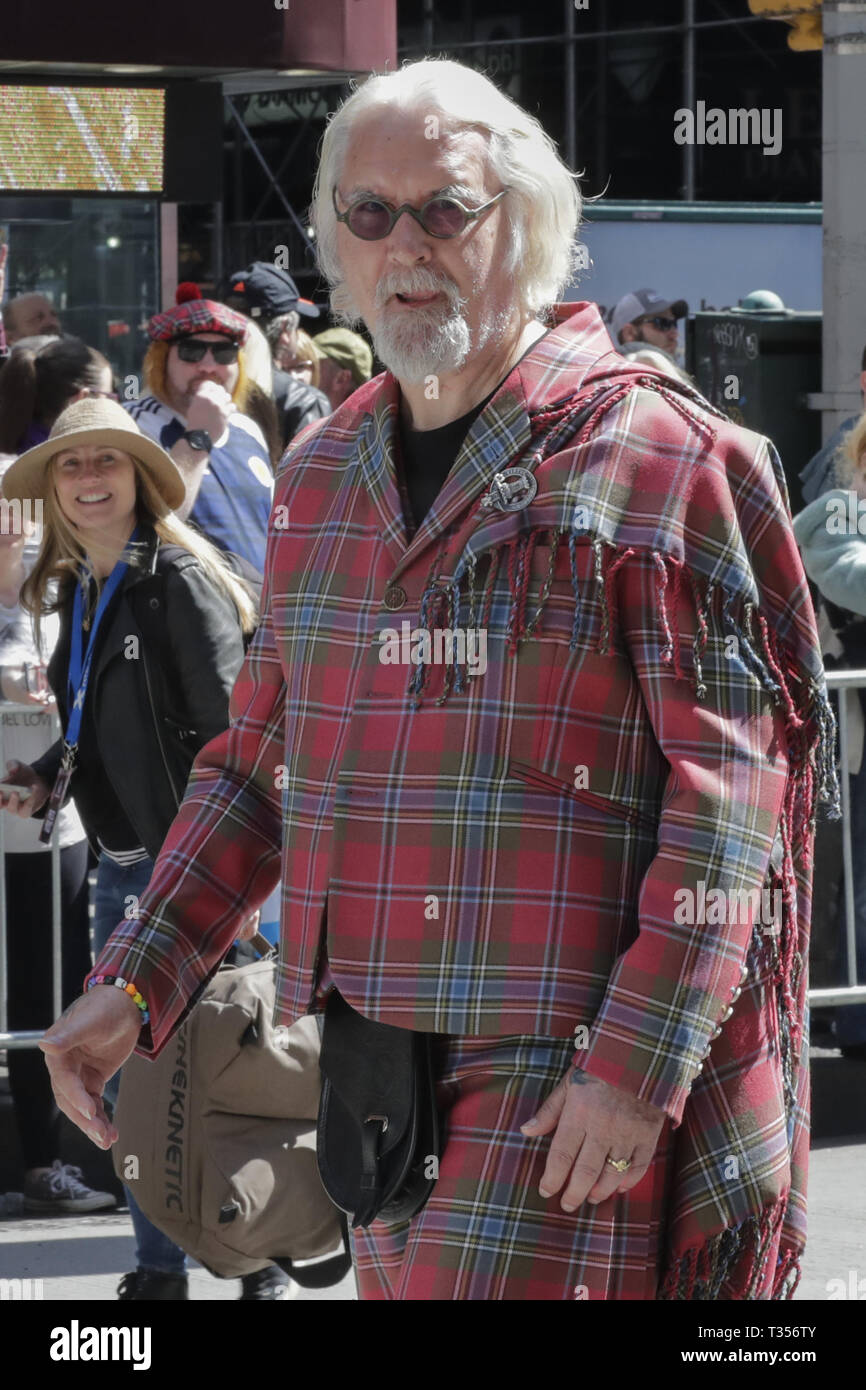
(395, 598)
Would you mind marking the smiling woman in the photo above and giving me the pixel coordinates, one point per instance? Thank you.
(152, 621)
(96, 491)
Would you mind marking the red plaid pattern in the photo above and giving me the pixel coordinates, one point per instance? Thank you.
(501, 854)
(198, 316)
(486, 1234)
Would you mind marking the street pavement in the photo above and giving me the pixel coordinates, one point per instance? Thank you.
(82, 1258)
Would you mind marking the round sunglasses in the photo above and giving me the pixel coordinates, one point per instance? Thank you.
(441, 216)
(194, 349)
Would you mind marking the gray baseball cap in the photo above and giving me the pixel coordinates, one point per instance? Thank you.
(638, 304)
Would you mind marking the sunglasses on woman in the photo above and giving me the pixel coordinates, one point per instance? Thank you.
(194, 349)
(441, 216)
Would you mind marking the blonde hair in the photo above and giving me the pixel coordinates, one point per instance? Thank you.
(62, 555)
(257, 359)
(849, 466)
(306, 345)
(156, 371)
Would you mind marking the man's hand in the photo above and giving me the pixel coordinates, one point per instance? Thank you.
(83, 1049)
(22, 775)
(209, 409)
(250, 927)
(594, 1121)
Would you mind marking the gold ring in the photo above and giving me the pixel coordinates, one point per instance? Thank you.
(620, 1164)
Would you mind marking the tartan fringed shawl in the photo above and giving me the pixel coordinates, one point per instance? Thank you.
(433, 839)
(737, 1206)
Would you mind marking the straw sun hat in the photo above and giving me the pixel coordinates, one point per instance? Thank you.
(94, 420)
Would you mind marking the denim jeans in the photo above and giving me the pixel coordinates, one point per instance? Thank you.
(114, 887)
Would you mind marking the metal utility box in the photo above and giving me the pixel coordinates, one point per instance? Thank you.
(758, 366)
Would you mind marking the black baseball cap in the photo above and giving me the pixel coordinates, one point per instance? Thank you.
(269, 290)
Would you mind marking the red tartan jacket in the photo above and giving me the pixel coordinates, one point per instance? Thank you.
(506, 850)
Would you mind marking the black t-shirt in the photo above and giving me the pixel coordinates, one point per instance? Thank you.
(428, 457)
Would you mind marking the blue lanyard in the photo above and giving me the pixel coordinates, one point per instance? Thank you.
(79, 671)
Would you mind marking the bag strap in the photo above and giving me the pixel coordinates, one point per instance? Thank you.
(261, 944)
(323, 1273)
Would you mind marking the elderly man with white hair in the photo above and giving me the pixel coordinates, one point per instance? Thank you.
(532, 730)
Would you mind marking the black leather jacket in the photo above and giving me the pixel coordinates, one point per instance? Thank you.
(297, 404)
(152, 713)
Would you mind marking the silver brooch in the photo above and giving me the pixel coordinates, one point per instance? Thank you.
(511, 490)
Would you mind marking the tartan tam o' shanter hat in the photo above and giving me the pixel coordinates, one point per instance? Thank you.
(192, 314)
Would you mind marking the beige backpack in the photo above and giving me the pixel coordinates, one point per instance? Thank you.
(217, 1136)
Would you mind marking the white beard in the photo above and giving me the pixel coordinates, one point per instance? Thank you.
(422, 343)
(418, 343)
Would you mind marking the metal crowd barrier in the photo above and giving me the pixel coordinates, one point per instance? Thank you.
(851, 993)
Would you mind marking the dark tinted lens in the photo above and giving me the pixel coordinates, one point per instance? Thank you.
(224, 353)
(444, 217)
(370, 219)
(191, 351)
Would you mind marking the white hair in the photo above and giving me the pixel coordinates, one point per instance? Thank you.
(274, 327)
(543, 204)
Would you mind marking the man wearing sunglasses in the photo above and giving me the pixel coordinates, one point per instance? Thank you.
(194, 407)
(510, 858)
(644, 326)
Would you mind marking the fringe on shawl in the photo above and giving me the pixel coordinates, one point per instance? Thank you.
(739, 1258)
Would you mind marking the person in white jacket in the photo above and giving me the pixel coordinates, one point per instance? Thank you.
(831, 534)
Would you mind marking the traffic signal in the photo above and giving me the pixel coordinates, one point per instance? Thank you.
(804, 16)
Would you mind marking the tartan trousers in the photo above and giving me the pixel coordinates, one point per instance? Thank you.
(486, 1233)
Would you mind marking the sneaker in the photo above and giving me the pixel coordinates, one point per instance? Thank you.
(60, 1188)
(144, 1284)
(270, 1283)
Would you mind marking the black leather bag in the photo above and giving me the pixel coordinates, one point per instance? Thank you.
(378, 1131)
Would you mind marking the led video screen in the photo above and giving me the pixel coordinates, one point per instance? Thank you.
(82, 139)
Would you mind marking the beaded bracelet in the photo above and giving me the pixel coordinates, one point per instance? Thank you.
(128, 988)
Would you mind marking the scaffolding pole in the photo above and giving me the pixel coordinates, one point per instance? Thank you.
(844, 199)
